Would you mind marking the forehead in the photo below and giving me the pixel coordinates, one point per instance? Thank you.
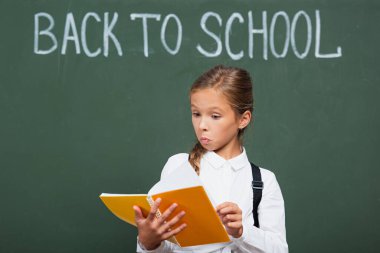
(209, 98)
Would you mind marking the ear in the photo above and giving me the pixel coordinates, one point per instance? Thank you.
(245, 118)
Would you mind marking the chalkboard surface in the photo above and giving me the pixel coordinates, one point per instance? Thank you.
(94, 98)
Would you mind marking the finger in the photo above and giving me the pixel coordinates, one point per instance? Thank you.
(236, 224)
(167, 226)
(230, 209)
(231, 218)
(173, 221)
(226, 210)
(138, 214)
(174, 231)
(167, 213)
(153, 210)
(223, 205)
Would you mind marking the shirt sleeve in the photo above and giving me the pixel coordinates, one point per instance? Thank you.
(165, 247)
(173, 163)
(271, 236)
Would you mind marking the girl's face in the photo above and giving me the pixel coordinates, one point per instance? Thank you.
(215, 123)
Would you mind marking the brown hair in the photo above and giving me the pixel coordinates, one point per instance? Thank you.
(236, 85)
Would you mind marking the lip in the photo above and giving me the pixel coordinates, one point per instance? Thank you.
(204, 140)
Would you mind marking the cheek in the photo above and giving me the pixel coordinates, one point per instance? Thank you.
(195, 123)
(226, 125)
(231, 128)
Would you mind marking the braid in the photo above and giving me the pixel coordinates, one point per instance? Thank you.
(196, 155)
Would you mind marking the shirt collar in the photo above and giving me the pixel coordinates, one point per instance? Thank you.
(217, 161)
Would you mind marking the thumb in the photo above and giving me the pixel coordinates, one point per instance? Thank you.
(138, 214)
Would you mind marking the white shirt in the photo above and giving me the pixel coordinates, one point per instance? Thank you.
(230, 180)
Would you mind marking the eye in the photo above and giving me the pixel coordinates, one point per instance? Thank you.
(195, 114)
(215, 116)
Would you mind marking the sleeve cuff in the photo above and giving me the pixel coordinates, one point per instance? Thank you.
(240, 239)
(141, 248)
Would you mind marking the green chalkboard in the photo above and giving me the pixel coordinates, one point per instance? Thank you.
(94, 98)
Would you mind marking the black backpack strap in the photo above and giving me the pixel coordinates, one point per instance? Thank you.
(257, 187)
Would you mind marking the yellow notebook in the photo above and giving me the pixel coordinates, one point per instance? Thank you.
(203, 223)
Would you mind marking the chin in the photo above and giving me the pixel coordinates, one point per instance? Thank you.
(208, 148)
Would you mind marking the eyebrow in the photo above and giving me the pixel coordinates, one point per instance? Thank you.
(214, 107)
(211, 108)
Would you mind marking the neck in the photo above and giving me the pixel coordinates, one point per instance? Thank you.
(230, 152)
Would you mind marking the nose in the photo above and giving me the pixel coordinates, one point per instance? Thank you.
(203, 124)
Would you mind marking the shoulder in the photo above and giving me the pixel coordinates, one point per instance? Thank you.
(267, 175)
(271, 185)
(180, 157)
(173, 163)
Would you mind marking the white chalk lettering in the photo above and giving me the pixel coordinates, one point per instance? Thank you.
(272, 34)
(83, 34)
(47, 32)
(318, 40)
(276, 35)
(231, 19)
(218, 42)
(293, 34)
(252, 31)
(179, 34)
(144, 17)
(107, 33)
(70, 26)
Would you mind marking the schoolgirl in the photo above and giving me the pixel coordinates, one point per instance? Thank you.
(221, 105)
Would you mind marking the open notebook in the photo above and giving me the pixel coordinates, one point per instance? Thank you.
(184, 188)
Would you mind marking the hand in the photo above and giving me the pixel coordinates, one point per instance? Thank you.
(152, 230)
(231, 216)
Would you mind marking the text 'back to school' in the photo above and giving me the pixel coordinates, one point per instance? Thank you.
(269, 35)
